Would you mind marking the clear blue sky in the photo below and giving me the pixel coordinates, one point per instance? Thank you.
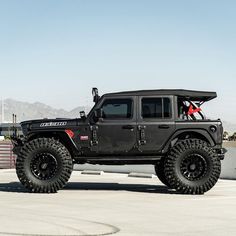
(55, 51)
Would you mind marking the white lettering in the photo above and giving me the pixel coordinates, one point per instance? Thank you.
(48, 124)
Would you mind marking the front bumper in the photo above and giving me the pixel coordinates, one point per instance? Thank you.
(221, 153)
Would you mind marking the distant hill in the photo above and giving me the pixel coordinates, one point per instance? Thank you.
(37, 110)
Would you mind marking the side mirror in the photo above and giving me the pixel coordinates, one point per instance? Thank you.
(98, 113)
(82, 115)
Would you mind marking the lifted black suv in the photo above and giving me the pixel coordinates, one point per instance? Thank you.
(166, 128)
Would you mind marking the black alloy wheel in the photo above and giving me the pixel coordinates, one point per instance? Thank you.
(193, 167)
(44, 166)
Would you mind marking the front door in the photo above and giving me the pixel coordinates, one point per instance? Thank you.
(155, 123)
(117, 130)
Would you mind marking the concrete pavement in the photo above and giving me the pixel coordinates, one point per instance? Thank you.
(115, 204)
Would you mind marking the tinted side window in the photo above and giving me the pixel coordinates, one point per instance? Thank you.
(156, 108)
(117, 109)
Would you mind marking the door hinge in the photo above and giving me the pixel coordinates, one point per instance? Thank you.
(94, 135)
(142, 138)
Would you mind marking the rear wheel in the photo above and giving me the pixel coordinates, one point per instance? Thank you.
(192, 167)
(44, 165)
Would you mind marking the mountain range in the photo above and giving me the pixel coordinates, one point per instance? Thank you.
(37, 110)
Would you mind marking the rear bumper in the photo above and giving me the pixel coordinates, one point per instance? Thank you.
(221, 152)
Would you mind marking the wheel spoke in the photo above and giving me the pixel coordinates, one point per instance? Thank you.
(44, 166)
(193, 167)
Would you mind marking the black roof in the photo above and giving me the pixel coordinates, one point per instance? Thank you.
(189, 94)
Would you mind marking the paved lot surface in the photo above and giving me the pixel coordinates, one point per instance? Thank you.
(115, 204)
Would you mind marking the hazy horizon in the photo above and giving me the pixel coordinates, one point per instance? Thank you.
(55, 51)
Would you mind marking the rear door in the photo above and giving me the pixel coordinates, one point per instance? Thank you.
(155, 122)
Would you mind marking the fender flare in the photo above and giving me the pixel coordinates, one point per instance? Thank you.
(63, 137)
(174, 137)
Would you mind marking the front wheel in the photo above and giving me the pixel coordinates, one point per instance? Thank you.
(44, 165)
(192, 167)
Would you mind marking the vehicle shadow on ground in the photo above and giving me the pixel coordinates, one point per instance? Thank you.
(142, 188)
(16, 187)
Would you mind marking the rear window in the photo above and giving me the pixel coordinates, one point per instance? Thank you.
(156, 108)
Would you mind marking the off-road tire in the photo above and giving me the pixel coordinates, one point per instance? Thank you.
(59, 160)
(159, 169)
(175, 170)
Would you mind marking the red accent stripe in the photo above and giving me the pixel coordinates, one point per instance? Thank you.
(70, 133)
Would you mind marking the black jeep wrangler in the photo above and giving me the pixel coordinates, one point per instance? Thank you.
(166, 128)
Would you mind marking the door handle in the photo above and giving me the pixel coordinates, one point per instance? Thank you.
(131, 127)
(164, 126)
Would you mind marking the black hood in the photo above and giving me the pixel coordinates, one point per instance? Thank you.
(46, 124)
